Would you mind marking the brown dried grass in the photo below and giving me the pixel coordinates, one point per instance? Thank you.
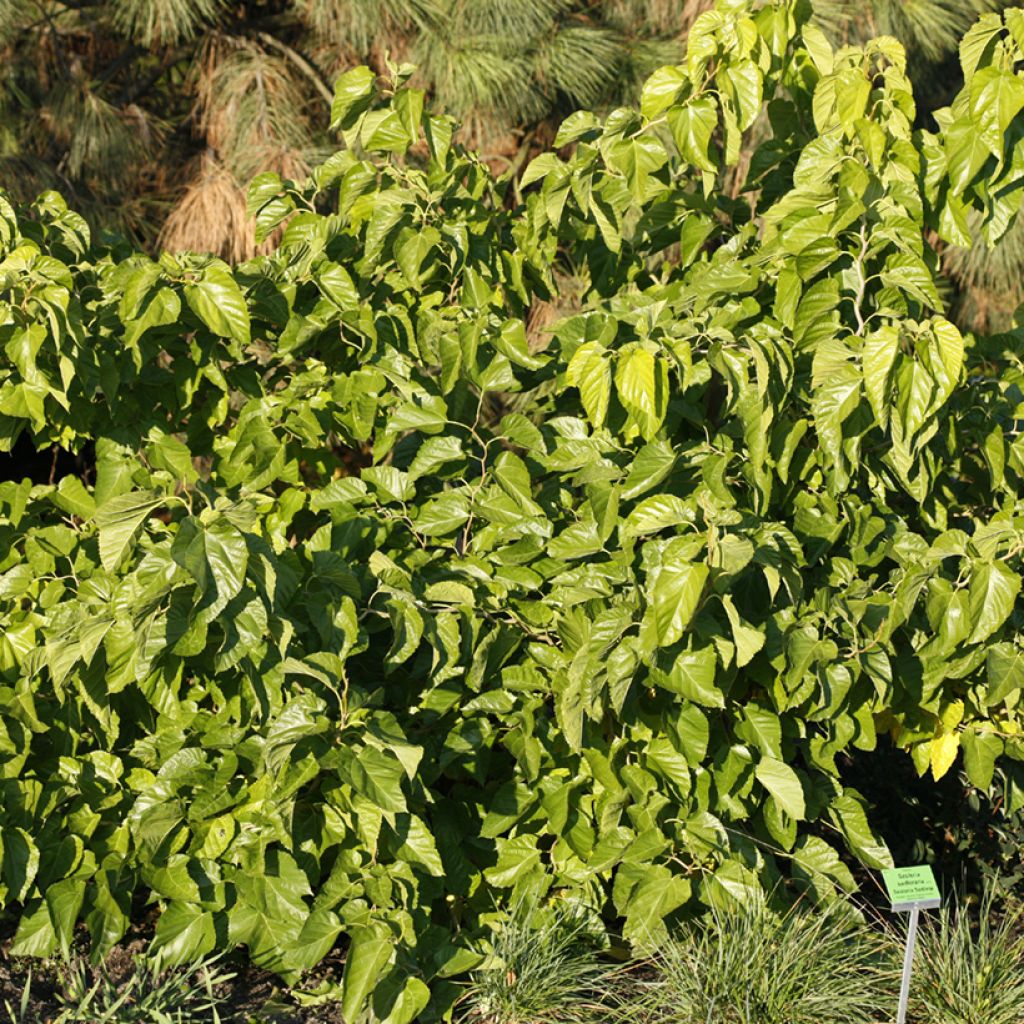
(251, 113)
(211, 216)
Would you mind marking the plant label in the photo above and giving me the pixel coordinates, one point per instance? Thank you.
(912, 888)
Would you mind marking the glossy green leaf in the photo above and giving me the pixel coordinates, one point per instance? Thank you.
(784, 784)
(120, 521)
(371, 949)
(662, 90)
(590, 371)
(656, 513)
(218, 301)
(991, 595)
(184, 933)
(674, 592)
(353, 94)
(980, 752)
(1005, 671)
(692, 126)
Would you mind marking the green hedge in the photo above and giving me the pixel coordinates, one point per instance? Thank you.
(383, 607)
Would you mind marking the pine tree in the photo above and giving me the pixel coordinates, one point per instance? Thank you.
(151, 115)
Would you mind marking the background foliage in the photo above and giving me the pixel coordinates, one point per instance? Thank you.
(152, 115)
(383, 604)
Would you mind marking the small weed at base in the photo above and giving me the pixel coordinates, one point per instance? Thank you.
(149, 994)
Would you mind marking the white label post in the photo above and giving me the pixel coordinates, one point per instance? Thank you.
(912, 889)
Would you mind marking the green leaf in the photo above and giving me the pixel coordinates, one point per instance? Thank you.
(262, 189)
(950, 343)
(184, 933)
(693, 675)
(656, 513)
(392, 485)
(673, 594)
(763, 729)
(637, 159)
(910, 274)
(608, 221)
(942, 753)
(814, 858)
(654, 893)
(407, 629)
(576, 541)
(576, 126)
(747, 638)
(64, 899)
(996, 97)
(848, 813)
(20, 857)
(784, 784)
(353, 94)
(35, 935)
(834, 399)
(336, 283)
(1015, 24)
(378, 776)
(369, 953)
(852, 90)
(400, 999)
(227, 557)
(590, 371)
(966, 153)
(978, 43)
(218, 301)
(517, 857)
(652, 464)
(691, 727)
(73, 498)
(991, 595)
(443, 515)
(160, 308)
(743, 85)
(980, 752)
(818, 48)
(1004, 665)
(540, 168)
(692, 125)
(319, 933)
(878, 357)
(168, 453)
(641, 382)
(664, 88)
(120, 521)
(417, 845)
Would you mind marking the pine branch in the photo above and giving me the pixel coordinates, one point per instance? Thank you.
(58, 45)
(136, 89)
(299, 61)
(119, 62)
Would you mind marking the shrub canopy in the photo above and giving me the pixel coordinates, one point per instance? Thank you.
(384, 605)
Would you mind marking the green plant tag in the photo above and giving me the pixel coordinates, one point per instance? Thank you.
(912, 887)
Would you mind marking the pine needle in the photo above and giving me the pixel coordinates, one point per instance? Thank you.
(99, 139)
(163, 22)
(211, 216)
(250, 108)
